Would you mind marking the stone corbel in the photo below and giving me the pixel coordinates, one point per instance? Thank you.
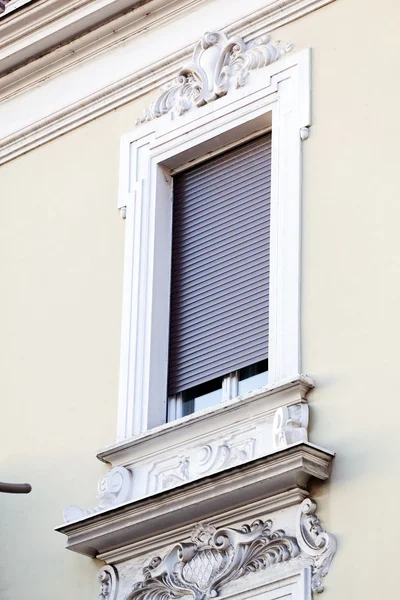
(315, 542)
(290, 425)
(113, 489)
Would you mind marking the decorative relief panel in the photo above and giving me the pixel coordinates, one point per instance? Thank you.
(216, 556)
(217, 63)
(173, 467)
(199, 462)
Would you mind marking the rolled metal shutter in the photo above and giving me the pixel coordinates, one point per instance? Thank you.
(220, 266)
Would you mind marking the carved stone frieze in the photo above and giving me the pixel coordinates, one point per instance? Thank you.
(211, 559)
(202, 461)
(108, 577)
(217, 63)
(172, 476)
(290, 425)
(114, 488)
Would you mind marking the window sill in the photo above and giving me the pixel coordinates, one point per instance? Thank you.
(214, 440)
(287, 392)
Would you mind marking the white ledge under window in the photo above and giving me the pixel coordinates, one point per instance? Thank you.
(235, 433)
(288, 392)
(278, 480)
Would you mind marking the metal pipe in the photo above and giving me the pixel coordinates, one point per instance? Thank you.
(15, 488)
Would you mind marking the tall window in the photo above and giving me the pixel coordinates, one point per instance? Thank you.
(218, 341)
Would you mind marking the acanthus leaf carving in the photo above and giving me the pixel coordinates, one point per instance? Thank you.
(315, 542)
(113, 489)
(216, 62)
(213, 558)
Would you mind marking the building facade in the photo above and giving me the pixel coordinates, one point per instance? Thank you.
(226, 415)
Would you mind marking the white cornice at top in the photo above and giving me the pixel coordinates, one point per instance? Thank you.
(9, 6)
(103, 69)
(46, 24)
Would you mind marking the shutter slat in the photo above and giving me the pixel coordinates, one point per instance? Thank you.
(196, 283)
(220, 266)
(225, 164)
(192, 195)
(231, 252)
(192, 310)
(253, 319)
(192, 329)
(221, 365)
(238, 286)
(228, 216)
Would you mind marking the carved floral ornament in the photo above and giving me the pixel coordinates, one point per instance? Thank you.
(218, 63)
(214, 557)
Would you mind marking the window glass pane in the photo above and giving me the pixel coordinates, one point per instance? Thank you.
(253, 377)
(202, 396)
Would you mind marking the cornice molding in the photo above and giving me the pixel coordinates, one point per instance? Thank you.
(63, 116)
(46, 24)
(272, 476)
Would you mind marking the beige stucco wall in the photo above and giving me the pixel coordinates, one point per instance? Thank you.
(60, 309)
(61, 263)
(350, 282)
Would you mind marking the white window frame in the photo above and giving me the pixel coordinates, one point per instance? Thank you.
(276, 96)
(229, 391)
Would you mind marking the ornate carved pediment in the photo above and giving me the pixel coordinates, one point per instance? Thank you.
(217, 61)
(214, 557)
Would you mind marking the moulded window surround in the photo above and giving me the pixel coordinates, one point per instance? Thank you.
(276, 96)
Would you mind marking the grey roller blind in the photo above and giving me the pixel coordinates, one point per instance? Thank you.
(220, 265)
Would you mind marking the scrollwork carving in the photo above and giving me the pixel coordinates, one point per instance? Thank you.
(206, 459)
(227, 454)
(290, 425)
(108, 577)
(114, 488)
(213, 558)
(175, 475)
(216, 62)
(315, 542)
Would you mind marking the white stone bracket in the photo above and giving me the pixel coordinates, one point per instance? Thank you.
(113, 489)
